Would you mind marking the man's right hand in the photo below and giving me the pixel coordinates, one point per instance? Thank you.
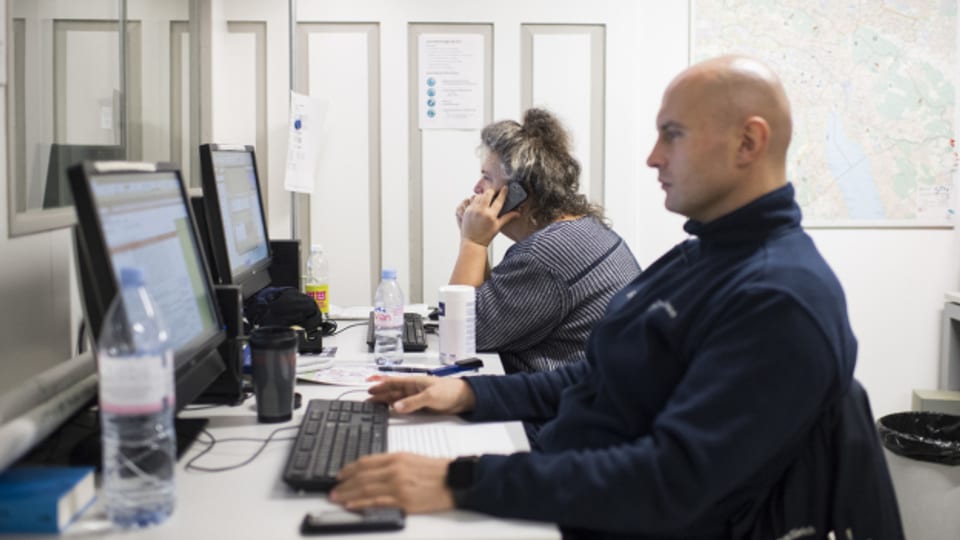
(411, 394)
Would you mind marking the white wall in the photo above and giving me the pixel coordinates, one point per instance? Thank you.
(894, 280)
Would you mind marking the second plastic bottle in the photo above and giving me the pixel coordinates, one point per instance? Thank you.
(318, 275)
(388, 320)
(135, 365)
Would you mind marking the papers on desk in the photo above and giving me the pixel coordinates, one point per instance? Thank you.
(316, 362)
(349, 375)
(341, 375)
(362, 313)
(347, 313)
(447, 438)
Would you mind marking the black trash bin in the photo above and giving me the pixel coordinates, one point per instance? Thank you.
(924, 436)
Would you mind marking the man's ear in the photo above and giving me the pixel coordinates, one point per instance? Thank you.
(754, 138)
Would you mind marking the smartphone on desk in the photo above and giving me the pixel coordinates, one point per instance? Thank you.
(341, 521)
(515, 196)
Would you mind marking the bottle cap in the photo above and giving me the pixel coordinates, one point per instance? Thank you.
(131, 276)
(388, 273)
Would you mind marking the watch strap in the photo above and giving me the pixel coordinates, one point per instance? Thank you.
(461, 476)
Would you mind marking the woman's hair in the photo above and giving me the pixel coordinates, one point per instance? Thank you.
(537, 155)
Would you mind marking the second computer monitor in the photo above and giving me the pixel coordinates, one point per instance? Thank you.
(236, 222)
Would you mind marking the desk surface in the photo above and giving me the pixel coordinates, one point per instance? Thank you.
(253, 502)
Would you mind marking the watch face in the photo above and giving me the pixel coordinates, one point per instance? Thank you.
(462, 472)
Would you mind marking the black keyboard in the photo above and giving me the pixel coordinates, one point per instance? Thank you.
(414, 339)
(332, 434)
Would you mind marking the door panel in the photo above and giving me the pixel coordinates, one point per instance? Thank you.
(444, 167)
(563, 72)
(341, 68)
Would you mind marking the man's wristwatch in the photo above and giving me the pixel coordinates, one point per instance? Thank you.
(461, 475)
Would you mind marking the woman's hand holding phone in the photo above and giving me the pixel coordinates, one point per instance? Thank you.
(481, 221)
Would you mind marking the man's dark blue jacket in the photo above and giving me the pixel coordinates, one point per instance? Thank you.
(706, 379)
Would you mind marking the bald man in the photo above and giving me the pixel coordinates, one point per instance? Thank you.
(709, 405)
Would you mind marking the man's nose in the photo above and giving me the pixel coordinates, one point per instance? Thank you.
(654, 159)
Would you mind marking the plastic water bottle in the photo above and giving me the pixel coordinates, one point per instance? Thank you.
(318, 275)
(388, 320)
(135, 364)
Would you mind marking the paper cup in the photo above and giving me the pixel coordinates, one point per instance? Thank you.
(457, 310)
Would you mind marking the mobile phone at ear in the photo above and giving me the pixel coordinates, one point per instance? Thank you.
(515, 195)
(342, 521)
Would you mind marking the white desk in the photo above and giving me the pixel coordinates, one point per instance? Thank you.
(253, 502)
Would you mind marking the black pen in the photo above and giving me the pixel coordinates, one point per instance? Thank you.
(404, 369)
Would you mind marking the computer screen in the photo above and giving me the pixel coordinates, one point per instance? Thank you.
(137, 214)
(236, 223)
(56, 193)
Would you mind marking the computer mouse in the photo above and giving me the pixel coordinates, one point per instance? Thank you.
(434, 314)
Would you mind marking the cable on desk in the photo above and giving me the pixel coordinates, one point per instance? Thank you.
(349, 326)
(213, 442)
(338, 398)
(328, 327)
(264, 442)
(203, 406)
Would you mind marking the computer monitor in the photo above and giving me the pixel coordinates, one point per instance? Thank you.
(137, 214)
(235, 220)
(56, 193)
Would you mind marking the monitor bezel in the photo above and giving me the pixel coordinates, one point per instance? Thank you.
(255, 277)
(198, 362)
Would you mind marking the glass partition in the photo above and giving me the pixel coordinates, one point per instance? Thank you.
(76, 90)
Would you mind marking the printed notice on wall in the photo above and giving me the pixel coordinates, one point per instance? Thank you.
(307, 116)
(451, 81)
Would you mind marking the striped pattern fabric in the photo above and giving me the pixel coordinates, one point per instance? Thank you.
(540, 302)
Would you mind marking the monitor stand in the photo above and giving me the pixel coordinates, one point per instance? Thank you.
(77, 441)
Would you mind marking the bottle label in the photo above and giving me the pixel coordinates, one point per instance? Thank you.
(135, 385)
(320, 295)
(387, 317)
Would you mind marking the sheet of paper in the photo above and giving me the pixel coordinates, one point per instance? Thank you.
(343, 313)
(316, 362)
(451, 81)
(341, 375)
(307, 117)
(449, 439)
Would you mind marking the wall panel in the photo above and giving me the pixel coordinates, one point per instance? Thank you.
(563, 71)
(344, 212)
(444, 165)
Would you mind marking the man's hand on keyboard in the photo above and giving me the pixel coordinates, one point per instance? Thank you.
(411, 394)
(415, 483)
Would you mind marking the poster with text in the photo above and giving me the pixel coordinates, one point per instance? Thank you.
(450, 86)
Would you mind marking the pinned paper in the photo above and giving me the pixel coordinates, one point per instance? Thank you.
(307, 118)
